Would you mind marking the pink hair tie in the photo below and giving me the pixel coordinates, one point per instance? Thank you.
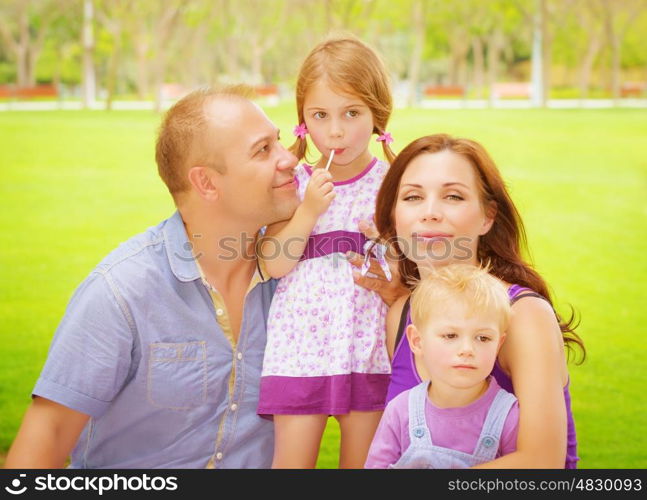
(385, 137)
(300, 131)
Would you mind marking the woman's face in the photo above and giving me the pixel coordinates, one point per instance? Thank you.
(438, 212)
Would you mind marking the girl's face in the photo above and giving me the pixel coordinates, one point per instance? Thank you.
(438, 213)
(337, 121)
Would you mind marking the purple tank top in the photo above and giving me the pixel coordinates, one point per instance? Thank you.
(405, 376)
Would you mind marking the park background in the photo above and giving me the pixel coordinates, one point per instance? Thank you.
(555, 90)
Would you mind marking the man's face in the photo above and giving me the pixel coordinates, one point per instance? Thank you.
(258, 186)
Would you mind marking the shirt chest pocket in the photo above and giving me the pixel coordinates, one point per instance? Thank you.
(177, 375)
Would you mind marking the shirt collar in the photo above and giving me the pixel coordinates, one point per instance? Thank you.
(179, 249)
(180, 254)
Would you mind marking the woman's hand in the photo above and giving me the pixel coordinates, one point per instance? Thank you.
(376, 280)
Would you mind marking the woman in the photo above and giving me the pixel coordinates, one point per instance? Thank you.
(443, 200)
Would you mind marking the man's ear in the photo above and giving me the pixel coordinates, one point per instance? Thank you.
(414, 338)
(204, 181)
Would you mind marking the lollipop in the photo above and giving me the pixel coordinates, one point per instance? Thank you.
(332, 153)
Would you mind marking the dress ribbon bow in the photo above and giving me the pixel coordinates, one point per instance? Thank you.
(378, 250)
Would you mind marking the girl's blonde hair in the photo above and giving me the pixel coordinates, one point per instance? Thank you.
(354, 68)
(463, 283)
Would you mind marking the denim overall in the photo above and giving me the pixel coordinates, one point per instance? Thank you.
(422, 454)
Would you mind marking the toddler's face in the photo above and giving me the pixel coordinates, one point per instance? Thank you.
(459, 350)
(337, 121)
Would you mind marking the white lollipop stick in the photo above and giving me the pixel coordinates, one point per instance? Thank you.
(332, 153)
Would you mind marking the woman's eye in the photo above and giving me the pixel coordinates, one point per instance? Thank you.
(319, 115)
(450, 335)
(484, 338)
(352, 113)
(455, 197)
(412, 197)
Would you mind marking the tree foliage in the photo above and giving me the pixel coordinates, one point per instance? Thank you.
(141, 45)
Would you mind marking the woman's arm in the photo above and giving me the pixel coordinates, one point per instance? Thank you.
(392, 323)
(533, 354)
(284, 242)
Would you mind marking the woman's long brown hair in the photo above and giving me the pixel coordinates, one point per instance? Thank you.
(501, 248)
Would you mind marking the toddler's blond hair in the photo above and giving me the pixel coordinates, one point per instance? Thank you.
(475, 286)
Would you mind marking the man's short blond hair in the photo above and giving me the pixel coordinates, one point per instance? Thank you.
(472, 285)
(180, 141)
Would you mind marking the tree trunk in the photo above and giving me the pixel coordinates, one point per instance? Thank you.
(56, 77)
(162, 35)
(159, 70)
(415, 62)
(458, 68)
(594, 45)
(22, 59)
(479, 66)
(494, 49)
(113, 69)
(230, 58)
(32, 57)
(88, 76)
(256, 60)
(141, 51)
(24, 46)
(547, 43)
(615, 68)
(614, 43)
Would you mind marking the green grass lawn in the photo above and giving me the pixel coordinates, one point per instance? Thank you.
(73, 185)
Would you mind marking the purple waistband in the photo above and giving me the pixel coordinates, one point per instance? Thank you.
(335, 241)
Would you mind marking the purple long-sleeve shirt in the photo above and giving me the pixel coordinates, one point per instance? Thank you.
(455, 428)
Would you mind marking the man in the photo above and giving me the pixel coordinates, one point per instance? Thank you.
(157, 360)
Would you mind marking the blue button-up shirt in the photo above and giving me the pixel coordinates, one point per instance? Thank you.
(140, 350)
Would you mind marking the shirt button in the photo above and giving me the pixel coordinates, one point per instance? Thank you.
(234, 407)
(218, 456)
(220, 312)
(239, 355)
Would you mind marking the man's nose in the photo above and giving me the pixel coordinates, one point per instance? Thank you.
(286, 159)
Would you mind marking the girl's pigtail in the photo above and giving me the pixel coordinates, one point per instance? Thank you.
(388, 152)
(299, 148)
(385, 138)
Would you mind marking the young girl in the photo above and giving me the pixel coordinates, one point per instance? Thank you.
(460, 417)
(326, 352)
(442, 201)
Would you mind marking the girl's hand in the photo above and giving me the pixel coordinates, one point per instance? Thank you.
(319, 193)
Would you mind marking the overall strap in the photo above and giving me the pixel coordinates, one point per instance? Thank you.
(419, 434)
(488, 443)
(403, 322)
